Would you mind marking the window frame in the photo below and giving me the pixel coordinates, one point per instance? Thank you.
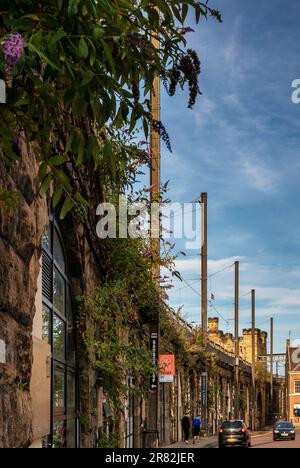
(65, 414)
(297, 383)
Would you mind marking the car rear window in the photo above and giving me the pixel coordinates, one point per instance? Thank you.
(233, 425)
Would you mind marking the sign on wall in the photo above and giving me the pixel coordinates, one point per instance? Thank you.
(2, 92)
(2, 352)
(204, 390)
(167, 368)
(154, 353)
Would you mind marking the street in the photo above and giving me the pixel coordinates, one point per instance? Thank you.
(266, 442)
(260, 441)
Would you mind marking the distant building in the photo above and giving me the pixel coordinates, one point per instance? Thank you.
(294, 385)
(226, 341)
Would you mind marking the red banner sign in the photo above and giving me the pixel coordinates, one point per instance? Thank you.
(167, 365)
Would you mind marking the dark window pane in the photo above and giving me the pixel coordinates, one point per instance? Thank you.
(59, 390)
(59, 435)
(58, 252)
(47, 238)
(71, 433)
(46, 442)
(232, 425)
(59, 292)
(71, 393)
(70, 331)
(46, 323)
(59, 334)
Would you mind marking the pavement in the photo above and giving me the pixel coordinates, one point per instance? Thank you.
(260, 439)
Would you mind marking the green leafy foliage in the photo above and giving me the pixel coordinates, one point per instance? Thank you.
(122, 307)
(80, 78)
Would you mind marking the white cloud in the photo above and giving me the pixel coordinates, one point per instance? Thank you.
(262, 178)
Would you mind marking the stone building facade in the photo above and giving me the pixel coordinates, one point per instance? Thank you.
(49, 395)
(224, 344)
(40, 275)
(226, 340)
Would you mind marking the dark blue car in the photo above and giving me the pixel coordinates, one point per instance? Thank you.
(284, 430)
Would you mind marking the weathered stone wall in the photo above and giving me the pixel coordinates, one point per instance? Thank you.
(20, 248)
(21, 234)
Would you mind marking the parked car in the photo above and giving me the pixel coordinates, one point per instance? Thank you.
(284, 430)
(234, 434)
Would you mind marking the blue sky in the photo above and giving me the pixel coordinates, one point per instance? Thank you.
(241, 145)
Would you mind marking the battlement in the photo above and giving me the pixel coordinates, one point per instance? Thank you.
(226, 340)
(213, 325)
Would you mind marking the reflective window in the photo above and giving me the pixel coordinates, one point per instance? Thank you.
(59, 435)
(59, 292)
(71, 356)
(59, 332)
(59, 338)
(59, 390)
(58, 252)
(71, 395)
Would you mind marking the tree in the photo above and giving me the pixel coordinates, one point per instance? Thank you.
(78, 71)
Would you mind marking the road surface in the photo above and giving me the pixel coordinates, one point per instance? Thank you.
(258, 442)
(266, 442)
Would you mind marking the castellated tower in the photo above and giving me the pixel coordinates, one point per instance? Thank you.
(229, 342)
(215, 335)
(213, 326)
(226, 341)
(260, 344)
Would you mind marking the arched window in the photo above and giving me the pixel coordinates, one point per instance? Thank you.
(59, 331)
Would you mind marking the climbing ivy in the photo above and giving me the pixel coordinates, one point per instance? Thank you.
(113, 323)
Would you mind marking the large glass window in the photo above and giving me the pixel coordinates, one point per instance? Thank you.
(297, 386)
(59, 331)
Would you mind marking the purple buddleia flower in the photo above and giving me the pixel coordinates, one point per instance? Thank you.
(135, 40)
(13, 49)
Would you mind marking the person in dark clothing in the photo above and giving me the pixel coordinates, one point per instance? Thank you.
(196, 429)
(186, 426)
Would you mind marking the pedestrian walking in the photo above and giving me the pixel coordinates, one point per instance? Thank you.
(196, 429)
(186, 426)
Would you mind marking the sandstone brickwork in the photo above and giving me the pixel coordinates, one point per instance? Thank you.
(21, 231)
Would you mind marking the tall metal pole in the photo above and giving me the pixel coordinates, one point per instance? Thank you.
(204, 267)
(253, 360)
(271, 363)
(287, 381)
(204, 270)
(237, 344)
(152, 433)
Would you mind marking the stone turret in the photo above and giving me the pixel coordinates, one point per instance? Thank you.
(260, 343)
(226, 340)
(213, 325)
(229, 342)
